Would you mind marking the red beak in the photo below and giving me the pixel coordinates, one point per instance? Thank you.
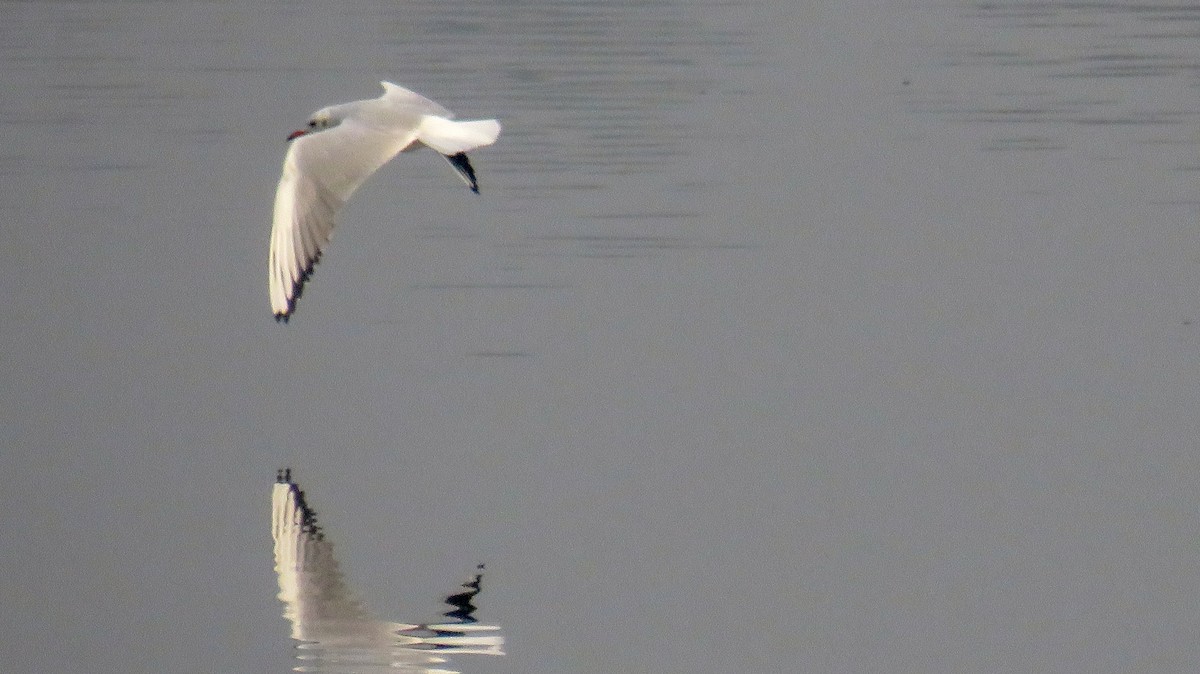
(296, 134)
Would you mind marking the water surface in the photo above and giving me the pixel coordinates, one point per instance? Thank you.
(780, 338)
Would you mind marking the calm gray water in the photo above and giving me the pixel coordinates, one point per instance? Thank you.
(818, 339)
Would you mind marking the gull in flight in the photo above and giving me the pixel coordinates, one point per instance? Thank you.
(339, 149)
(334, 632)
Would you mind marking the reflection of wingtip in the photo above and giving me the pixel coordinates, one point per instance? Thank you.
(461, 603)
(306, 516)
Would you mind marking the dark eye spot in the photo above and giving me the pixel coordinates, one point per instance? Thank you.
(312, 123)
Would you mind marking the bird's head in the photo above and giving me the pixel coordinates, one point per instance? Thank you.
(321, 120)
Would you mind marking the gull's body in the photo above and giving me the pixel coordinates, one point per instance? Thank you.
(340, 148)
(332, 627)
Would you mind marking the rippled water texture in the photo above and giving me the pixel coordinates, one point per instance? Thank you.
(781, 337)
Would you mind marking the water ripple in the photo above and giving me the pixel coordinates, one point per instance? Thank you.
(1128, 70)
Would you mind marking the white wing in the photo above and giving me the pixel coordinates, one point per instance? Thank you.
(436, 128)
(450, 137)
(396, 95)
(321, 171)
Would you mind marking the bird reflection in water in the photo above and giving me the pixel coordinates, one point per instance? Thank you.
(334, 632)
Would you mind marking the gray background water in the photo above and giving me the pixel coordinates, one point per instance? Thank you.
(826, 338)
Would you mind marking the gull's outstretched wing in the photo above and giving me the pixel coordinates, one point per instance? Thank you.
(320, 173)
(334, 632)
(450, 137)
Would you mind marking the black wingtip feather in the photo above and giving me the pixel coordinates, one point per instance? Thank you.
(291, 305)
(463, 166)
